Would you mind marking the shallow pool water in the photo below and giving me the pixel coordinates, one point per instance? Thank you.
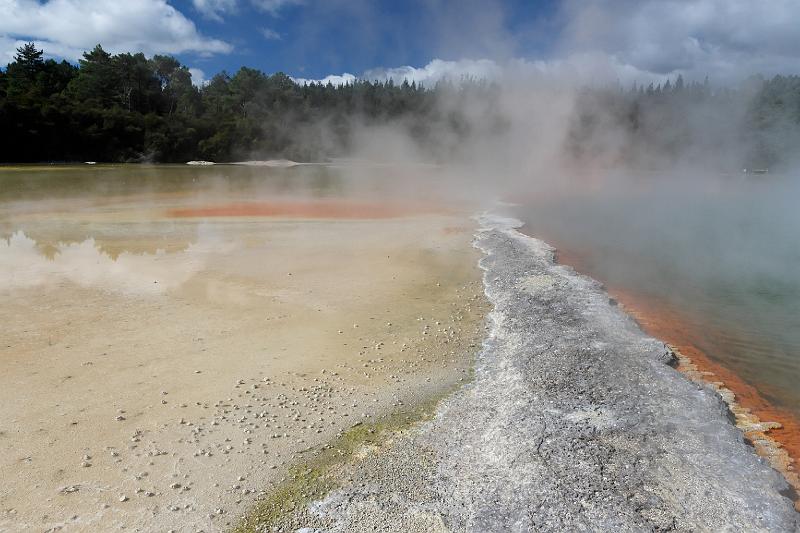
(724, 252)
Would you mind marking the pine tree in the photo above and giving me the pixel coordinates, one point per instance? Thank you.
(29, 60)
(22, 73)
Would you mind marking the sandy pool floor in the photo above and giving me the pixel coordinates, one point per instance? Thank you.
(162, 372)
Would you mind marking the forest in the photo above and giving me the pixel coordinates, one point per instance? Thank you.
(130, 108)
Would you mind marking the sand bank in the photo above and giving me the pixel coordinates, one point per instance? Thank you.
(161, 373)
(575, 421)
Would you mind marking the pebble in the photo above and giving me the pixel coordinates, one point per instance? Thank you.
(253, 417)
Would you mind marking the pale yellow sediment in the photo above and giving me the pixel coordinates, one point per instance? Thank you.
(168, 389)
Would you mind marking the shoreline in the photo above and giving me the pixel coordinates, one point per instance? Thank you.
(575, 420)
(773, 431)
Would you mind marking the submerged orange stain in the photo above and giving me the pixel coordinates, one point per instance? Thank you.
(331, 209)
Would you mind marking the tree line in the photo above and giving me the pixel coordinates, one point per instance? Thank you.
(755, 125)
(127, 107)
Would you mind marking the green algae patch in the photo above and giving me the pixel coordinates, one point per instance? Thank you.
(285, 507)
(313, 480)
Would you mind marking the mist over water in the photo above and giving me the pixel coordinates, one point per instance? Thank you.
(643, 181)
(722, 251)
(650, 187)
(242, 235)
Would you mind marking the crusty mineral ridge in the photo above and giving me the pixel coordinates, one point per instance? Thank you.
(575, 421)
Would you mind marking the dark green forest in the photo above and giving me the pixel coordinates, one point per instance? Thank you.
(130, 108)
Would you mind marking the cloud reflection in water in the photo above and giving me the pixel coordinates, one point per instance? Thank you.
(25, 265)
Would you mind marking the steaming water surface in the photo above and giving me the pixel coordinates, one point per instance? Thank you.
(725, 254)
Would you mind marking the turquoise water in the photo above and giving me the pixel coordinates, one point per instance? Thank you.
(726, 252)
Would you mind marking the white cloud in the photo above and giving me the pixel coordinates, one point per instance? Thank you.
(608, 41)
(67, 28)
(581, 69)
(577, 69)
(215, 9)
(437, 70)
(431, 73)
(273, 6)
(334, 79)
(8, 47)
(726, 39)
(270, 35)
(198, 77)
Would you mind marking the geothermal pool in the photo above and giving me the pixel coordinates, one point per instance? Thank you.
(175, 338)
(713, 261)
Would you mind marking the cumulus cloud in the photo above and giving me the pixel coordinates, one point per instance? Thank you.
(215, 9)
(66, 28)
(726, 39)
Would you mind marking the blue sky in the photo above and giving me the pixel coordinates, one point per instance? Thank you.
(583, 40)
(315, 38)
